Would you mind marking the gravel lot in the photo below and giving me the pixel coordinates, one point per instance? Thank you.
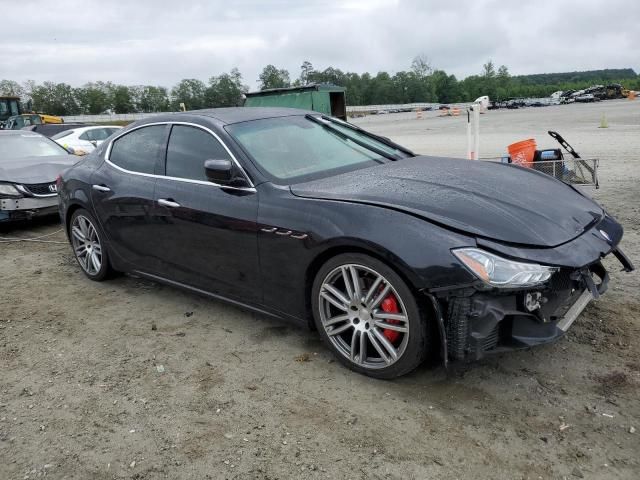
(130, 379)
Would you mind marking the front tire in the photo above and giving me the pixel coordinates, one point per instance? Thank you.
(368, 316)
(88, 246)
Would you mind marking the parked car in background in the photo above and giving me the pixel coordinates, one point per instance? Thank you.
(390, 255)
(586, 98)
(50, 129)
(29, 165)
(23, 120)
(85, 139)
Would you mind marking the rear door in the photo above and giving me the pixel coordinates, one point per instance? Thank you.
(123, 194)
(209, 238)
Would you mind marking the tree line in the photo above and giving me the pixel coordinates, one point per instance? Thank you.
(419, 83)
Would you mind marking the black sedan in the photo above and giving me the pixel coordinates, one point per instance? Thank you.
(392, 256)
(29, 165)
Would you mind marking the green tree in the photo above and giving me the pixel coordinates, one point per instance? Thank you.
(421, 66)
(272, 77)
(55, 99)
(11, 88)
(226, 90)
(93, 98)
(149, 98)
(446, 87)
(306, 69)
(191, 92)
(488, 69)
(121, 99)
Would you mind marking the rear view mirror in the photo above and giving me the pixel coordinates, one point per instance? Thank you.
(219, 171)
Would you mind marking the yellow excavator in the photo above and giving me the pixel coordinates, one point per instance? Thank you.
(17, 122)
(12, 117)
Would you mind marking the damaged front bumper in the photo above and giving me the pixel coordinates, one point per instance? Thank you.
(476, 322)
(24, 208)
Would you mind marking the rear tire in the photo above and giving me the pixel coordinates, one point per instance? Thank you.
(88, 246)
(368, 316)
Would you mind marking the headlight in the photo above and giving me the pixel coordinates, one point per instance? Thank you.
(500, 272)
(10, 190)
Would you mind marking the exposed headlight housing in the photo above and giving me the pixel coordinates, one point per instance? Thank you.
(9, 190)
(501, 272)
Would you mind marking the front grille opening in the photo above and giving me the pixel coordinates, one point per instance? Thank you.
(40, 188)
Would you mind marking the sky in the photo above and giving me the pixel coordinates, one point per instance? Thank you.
(159, 42)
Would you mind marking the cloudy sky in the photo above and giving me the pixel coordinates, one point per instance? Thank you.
(160, 42)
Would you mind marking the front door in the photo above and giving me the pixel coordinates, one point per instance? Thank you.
(209, 232)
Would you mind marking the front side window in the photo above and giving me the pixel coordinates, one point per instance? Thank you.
(138, 150)
(188, 149)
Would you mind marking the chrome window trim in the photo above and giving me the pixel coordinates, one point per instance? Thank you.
(250, 188)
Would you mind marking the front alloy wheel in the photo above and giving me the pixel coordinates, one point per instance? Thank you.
(368, 316)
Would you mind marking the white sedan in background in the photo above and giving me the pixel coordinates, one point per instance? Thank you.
(84, 140)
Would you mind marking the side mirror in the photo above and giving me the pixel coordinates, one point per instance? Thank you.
(94, 143)
(219, 171)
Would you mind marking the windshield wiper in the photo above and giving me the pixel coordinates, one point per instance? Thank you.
(366, 133)
(326, 124)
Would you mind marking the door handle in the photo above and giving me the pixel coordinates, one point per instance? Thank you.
(101, 188)
(168, 203)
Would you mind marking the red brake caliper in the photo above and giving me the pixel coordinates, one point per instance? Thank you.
(390, 305)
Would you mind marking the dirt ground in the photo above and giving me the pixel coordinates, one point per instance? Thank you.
(130, 379)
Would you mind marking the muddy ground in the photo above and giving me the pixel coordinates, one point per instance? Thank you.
(131, 379)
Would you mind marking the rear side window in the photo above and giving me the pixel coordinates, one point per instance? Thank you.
(97, 134)
(188, 149)
(138, 151)
(60, 135)
(88, 135)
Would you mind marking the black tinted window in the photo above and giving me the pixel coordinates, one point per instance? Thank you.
(188, 149)
(137, 151)
(96, 134)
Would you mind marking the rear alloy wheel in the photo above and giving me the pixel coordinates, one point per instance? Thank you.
(87, 246)
(369, 316)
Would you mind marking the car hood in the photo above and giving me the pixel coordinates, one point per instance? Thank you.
(35, 169)
(487, 199)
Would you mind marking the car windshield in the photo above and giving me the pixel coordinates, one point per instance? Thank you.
(28, 145)
(296, 148)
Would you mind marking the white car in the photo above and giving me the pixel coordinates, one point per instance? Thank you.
(84, 140)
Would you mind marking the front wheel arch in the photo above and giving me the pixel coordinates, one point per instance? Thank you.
(67, 217)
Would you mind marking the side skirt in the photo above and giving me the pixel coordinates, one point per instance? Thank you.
(247, 306)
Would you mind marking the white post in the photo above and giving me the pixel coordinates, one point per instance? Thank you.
(469, 157)
(476, 120)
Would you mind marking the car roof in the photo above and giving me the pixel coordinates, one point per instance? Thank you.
(93, 127)
(231, 115)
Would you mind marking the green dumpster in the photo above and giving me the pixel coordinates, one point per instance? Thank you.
(323, 98)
